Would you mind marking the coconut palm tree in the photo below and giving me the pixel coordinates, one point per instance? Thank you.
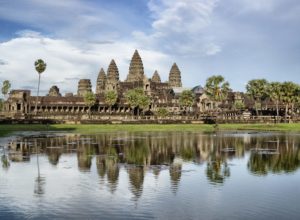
(133, 98)
(40, 67)
(275, 94)
(5, 87)
(89, 100)
(111, 99)
(144, 102)
(289, 94)
(216, 88)
(186, 99)
(257, 90)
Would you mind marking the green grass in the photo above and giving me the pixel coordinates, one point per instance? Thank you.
(8, 129)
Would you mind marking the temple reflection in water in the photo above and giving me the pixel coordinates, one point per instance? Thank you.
(139, 153)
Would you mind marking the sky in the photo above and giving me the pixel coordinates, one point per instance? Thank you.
(239, 39)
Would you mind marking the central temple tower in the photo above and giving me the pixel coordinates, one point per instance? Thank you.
(136, 68)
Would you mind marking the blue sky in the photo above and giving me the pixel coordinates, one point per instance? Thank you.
(239, 39)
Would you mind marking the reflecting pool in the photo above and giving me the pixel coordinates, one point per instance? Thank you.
(150, 175)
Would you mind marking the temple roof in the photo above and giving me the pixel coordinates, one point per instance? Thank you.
(113, 71)
(156, 77)
(175, 76)
(101, 75)
(198, 89)
(175, 70)
(136, 68)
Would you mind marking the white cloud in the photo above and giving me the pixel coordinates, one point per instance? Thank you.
(179, 26)
(71, 19)
(254, 5)
(69, 61)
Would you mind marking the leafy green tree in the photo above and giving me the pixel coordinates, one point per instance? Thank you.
(238, 105)
(111, 99)
(162, 112)
(216, 88)
(144, 102)
(275, 94)
(40, 67)
(1, 104)
(132, 97)
(257, 89)
(289, 94)
(5, 88)
(136, 98)
(186, 99)
(296, 97)
(89, 100)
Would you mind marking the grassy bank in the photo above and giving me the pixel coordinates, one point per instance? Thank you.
(7, 129)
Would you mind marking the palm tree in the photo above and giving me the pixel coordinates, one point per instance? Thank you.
(5, 87)
(162, 112)
(257, 90)
(90, 100)
(186, 98)
(275, 93)
(289, 94)
(133, 98)
(111, 99)
(216, 88)
(144, 102)
(40, 67)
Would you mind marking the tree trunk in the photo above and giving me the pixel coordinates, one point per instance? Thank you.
(277, 108)
(286, 111)
(37, 96)
(256, 110)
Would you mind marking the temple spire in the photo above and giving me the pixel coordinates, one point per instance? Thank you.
(112, 71)
(101, 81)
(156, 77)
(112, 82)
(175, 76)
(136, 68)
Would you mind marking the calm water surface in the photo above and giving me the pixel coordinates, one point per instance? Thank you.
(176, 175)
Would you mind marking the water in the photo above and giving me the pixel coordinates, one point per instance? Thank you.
(176, 175)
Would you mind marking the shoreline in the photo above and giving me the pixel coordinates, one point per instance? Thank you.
(96, 128)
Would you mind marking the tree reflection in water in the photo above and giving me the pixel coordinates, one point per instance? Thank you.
(217, 171)
(139, 153)
(285, 159)
(4, 159)
(39, 186)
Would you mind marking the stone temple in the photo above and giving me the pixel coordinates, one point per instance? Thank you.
(163, 94)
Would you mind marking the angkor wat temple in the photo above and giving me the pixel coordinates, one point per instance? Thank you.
(71, 107)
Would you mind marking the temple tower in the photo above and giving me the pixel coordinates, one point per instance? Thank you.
(101, 82)
(136, 68)
(54, 92)
(84, 86)
(156, 77)
(112, 81)
(175, 76)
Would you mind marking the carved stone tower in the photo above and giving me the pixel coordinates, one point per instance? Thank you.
(54, 92)
(112, 81)
(84, 86)
(101, 82)
(175, 76)
(156, 77)
(136, 68)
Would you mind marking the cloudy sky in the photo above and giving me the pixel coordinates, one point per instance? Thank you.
(239, 39)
